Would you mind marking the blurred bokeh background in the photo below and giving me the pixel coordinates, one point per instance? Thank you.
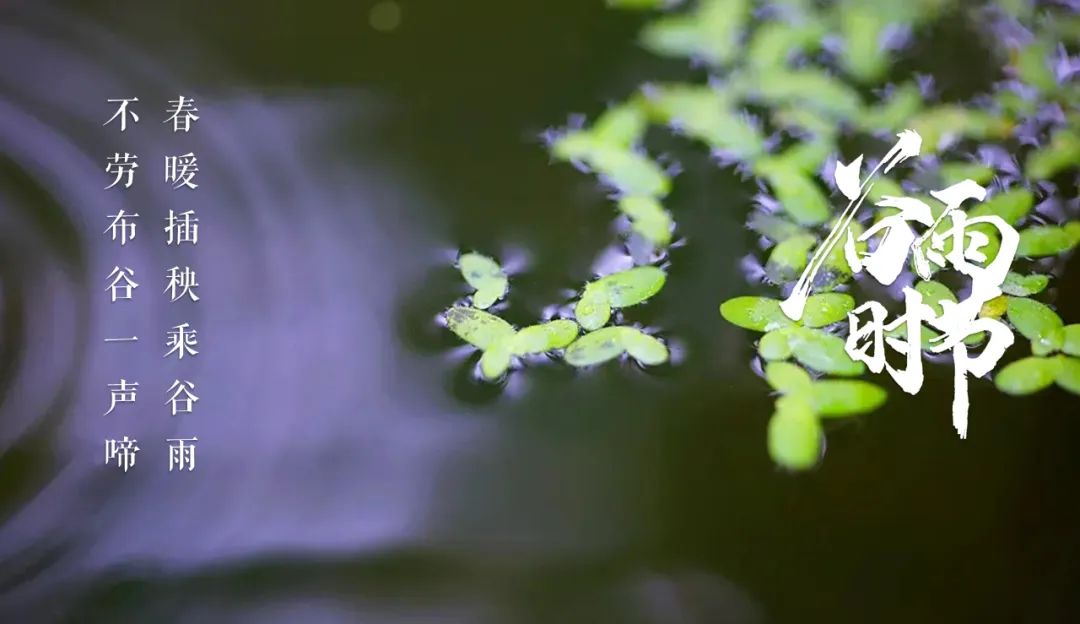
(350, 467)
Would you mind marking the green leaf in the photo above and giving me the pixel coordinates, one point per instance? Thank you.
(1033, 67)
(894, 114)
(630, 287)
(1047, 240)
(755, 313)
(722, 24)
(789, 258)
(994, 308)
(946, 121)
(544, 337)
(826, 309)
(1011, 205)
(596, 347)
(787, 378)
(1071, 342)
(705, 114)
(629, 172)
(776, 229)
(774, 43)
(495, 360)
(823, 352)
(592, 310)
(647, 350)
(811, 88)
(1063, 152)
(1024, 285)
(794, 435)
(799, 196)
(648, 218)
(842, 397)
(1038, 323)
(774, 345)
(477, 327)
(934, 293)
(956, 172)
(673, 35)
(883, 187)
(1027, 376)
(575, 146)
(863, 28)
(486, 276)
(836, 269)
(710, 33)
(1068, 374)
(622, 125)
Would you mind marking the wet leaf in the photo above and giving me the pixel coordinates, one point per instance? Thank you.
(647, 350)
(495, 360)
(477, 327)
(544, 337)
(787, 378)
(799, 196)
(648, 218)
(826, 309)
(994, 308)
(1037, 322)
(794, 434)
(1071, 341)
(776, 229)
(592, 310)
(1047, 240)
(1027, 376)
(824, 353)
(789, 258)
(934, 293)
(596, 347)
(842, 397)
(1024, 285)
(486, 276)
(1068, 374)
(836, 269)
(755, 313)
(774, 345)
(630, 287)
(1061, 153)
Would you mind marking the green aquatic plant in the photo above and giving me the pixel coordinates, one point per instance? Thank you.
(499, 342)
(812, 74)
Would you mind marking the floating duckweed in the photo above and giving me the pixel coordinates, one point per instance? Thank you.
(477, 327)
(486, 276)
(794, 436)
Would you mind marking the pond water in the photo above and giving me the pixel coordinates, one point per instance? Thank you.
(351, 468)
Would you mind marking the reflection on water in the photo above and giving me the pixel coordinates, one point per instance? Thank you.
(323, 448)
(346, 472)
